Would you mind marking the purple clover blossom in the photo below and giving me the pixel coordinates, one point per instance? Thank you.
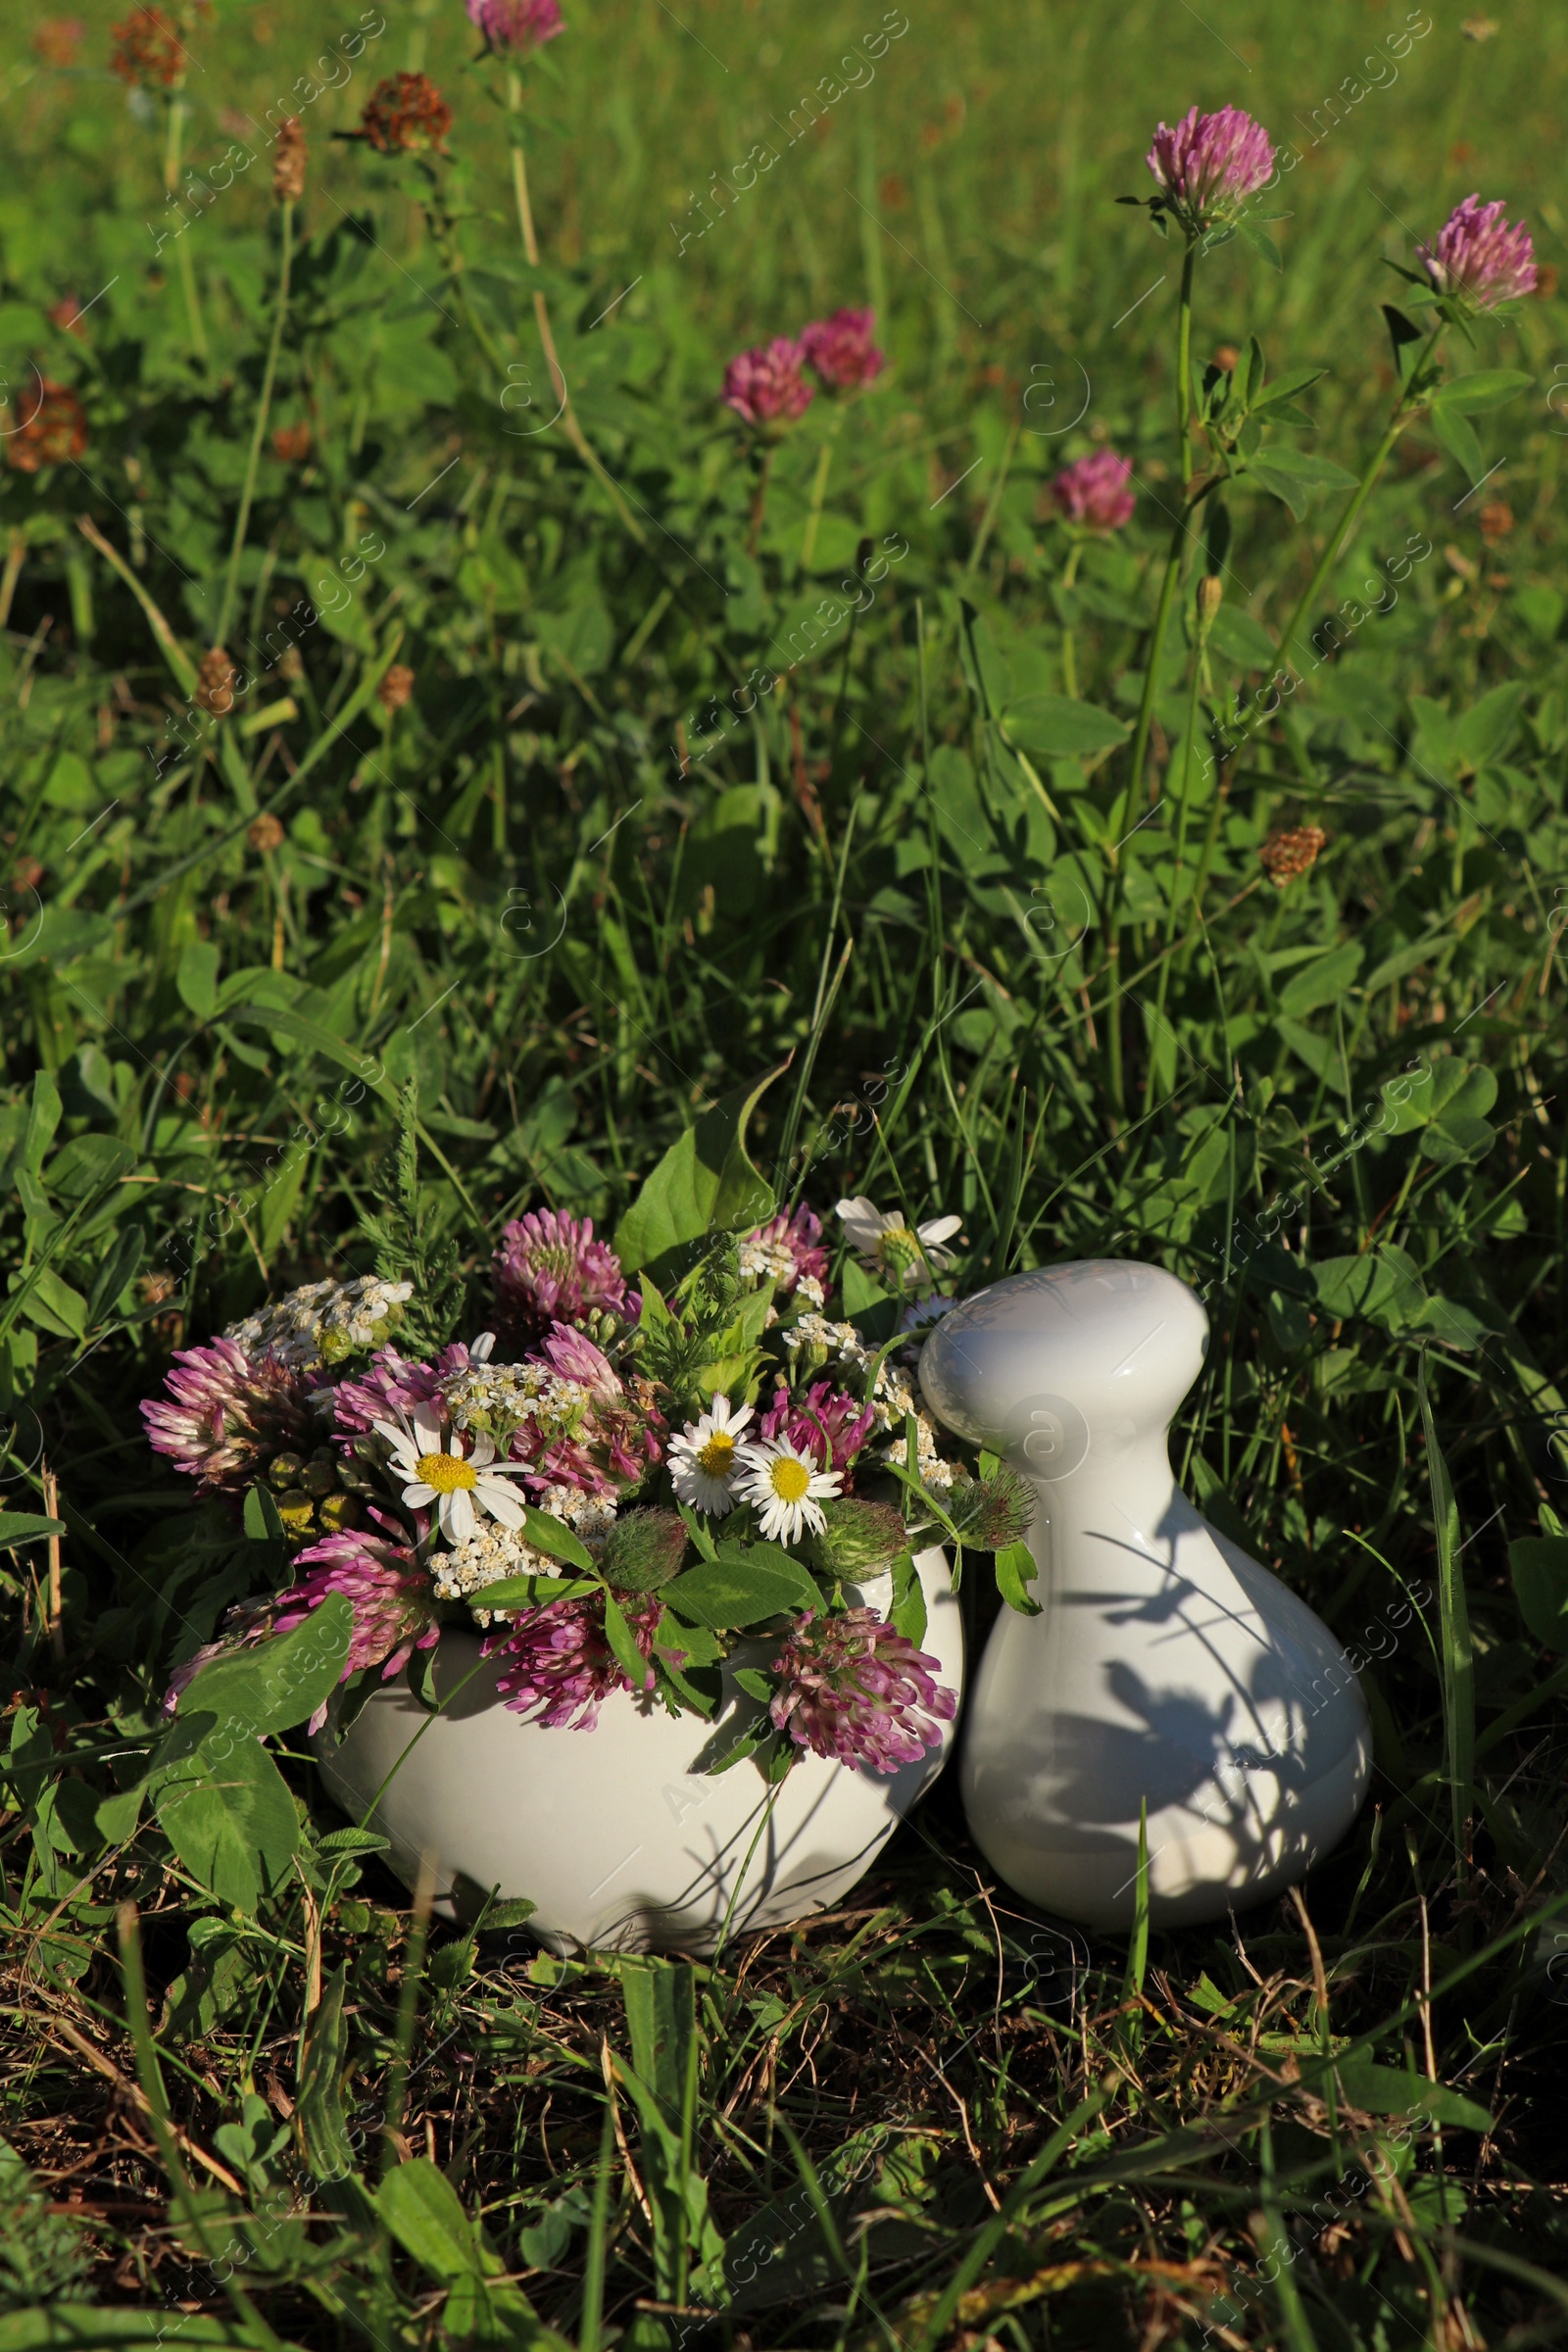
(392, 1385)
(560, 1668)
(1209, 165)
(227, 1413)
(516, 29)
(842, 350)
(798, 1236)
(765, 385)
(618, 1440)
(1093, 491)
(825, 1424)
(389, 1593)
(854, 1689)
(1479, 259)
(550, 1269)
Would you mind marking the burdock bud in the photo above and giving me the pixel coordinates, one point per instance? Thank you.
(215, 683)
(990, 1513)
(644, 1551)
(858, 1537)
(288, 160)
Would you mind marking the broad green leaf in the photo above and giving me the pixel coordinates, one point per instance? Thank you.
(1297, 476)
(741, 1589)
(1487, 388)
(53, 1305)
(230, 1817)
(1457, 436)
(1539, 1566)
(555, 1538)
(1323, 982)
(1016, 1567)
(705, 1183)
(1294, 380)
(424, 2214)
(27, 1527)
(1386, 2090)
(1481, 735)
(1241, 639)
(196, 977)
(1055, 726)
(622, 1642)
(102, 2327)
(43, 1117)
(280, 1682)
(86, 1164)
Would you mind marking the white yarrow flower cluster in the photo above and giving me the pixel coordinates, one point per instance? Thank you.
(321, 1321)
(839, 1347)
(760, 1259)
(490, 1553)
(499, 1399)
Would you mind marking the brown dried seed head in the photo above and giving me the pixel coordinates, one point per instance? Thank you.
(407, 116)
(53, 427)
(1496, 520)
(1284, 856)
(395, 688)
(291, 443)
(288, 160)
(264, 832)
(215, 683)
(147, 52)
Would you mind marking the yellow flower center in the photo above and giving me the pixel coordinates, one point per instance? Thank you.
(899, 1245)
(446, 1473)
(791, 1480)
(716, 1457)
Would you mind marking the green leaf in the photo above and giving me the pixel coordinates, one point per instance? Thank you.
(324, 2128)
(103, 2328)
(1324, 981)
(1297, 476)
(88, 1164)
(1457, 437)
(54, 1306)
(43, 1117)
(1240, 639)
(280, 1682)
(1294, 380)
(1255, 239)
(741, 1588)
(705, 1183)
(618, 1634)
(228, 1815)
(1409, 343)
(352, 1842)
(196, 977)
(1386, 2090)
(25, 1526)
(1056, 727)
(1488, 388)
(555, 1538)
(423, 2212)
(532, 1592)
(1480, 735)
(1016, 1567)
(1539, 1566)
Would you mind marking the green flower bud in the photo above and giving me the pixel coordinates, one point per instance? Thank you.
(318, 1476)
(337, 1511)
(990, 1513)
(858, 1537)
(644, 1551)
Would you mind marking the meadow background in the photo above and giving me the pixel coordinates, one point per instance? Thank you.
(576, 897)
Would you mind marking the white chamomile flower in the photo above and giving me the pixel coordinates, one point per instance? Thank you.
(787, 1488)
(900, 1254)
(703, 1459)
(461, 1486)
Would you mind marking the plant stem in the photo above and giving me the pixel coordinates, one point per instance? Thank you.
(172, 151)
(824, 463)
(1341, 530)
(263, 410)
(1167, 586)
(759, 498)
(1069, 643)
(541, 311)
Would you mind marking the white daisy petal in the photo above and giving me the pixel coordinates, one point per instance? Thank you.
(483, 1449)
(418, 1494)
(501, 1505)
(938, 1229)
(426, 1431)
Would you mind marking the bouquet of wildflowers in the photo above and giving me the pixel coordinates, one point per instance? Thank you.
(655, 1458)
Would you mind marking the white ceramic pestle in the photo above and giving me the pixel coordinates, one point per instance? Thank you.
(1165, 1667)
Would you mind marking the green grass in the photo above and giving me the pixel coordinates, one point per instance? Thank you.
(529, 893)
